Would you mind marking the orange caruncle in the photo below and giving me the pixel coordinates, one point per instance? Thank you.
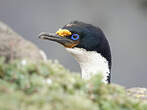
(63, 32)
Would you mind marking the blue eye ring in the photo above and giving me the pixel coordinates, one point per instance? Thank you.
(75, 37)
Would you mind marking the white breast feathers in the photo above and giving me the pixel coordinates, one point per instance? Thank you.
(90, 62)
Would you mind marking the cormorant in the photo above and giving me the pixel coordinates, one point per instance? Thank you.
(89, 46)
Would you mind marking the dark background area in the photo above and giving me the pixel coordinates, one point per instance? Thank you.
(124, 23)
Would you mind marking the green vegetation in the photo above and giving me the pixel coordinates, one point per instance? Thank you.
(48, 86)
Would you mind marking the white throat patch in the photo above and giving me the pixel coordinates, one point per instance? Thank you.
(90, 62)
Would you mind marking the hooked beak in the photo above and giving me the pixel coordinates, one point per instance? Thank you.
(54, 37)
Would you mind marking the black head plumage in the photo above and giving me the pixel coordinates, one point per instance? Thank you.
(91, 38)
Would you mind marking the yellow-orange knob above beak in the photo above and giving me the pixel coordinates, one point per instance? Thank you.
(63, 32)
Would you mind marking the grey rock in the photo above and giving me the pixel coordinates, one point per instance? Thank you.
(13, 46)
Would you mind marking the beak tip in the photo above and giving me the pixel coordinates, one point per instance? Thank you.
(41, 35)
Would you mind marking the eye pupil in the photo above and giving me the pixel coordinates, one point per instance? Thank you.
(75, 37)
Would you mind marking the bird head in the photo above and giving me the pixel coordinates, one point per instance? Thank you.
(80, 38)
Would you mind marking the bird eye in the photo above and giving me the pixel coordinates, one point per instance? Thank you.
(75, 37)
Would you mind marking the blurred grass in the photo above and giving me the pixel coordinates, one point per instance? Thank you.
(49, 86)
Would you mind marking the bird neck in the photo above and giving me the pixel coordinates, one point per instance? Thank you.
(91, 63)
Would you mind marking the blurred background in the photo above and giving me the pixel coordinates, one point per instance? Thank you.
(124, 23)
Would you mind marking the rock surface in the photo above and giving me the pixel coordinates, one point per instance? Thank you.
(137, 92)
(13, 46)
